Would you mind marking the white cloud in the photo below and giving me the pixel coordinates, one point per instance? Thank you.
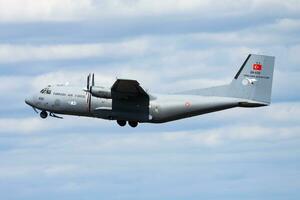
(44, 10)
(259, 36)
(22, 125)
(276, 115)
(293, 55)
(286, 25)
(70, 10)
(57, 170)
(17, 53)
(242, 131)
(13, 84)
(36, 125)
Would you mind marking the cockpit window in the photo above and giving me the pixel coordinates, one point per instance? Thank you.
(42, 91)
(45, 91)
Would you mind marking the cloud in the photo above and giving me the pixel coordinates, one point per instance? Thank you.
(19, 53)
(27, 125)
(86, 135)
(68, 10)
(285, 25)
(36, 125)
(75, 153)
(167, 46)
(44, 10)
(178, 49)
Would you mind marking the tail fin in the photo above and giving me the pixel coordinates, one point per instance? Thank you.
(254, 79)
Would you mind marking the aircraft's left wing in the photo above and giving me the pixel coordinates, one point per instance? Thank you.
(127, 89)
(129, 100)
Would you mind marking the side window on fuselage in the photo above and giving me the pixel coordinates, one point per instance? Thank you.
(43, 91)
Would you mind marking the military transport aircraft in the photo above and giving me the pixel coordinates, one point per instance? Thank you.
(126, 101)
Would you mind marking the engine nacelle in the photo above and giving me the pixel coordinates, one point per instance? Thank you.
(101, 92)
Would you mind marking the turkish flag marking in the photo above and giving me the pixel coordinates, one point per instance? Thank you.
(257, 67)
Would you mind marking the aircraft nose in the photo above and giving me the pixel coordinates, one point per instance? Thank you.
(28, 101)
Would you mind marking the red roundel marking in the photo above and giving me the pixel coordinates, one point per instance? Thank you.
(187, 104)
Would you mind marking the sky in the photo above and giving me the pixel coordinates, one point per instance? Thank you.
(168, 46)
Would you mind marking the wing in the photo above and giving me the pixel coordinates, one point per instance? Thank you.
(130, 100)
(127, 89)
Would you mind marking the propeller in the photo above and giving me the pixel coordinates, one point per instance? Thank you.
(93, 80)
(89, 85)
(90, 82)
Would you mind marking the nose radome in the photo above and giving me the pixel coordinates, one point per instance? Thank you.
(28, 101)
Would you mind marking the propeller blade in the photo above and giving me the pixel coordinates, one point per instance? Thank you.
(88, 82)
(93, 79)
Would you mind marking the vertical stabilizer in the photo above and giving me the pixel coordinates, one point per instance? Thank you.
(254, 79)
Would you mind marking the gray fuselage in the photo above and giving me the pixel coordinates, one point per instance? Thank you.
(71, 100)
